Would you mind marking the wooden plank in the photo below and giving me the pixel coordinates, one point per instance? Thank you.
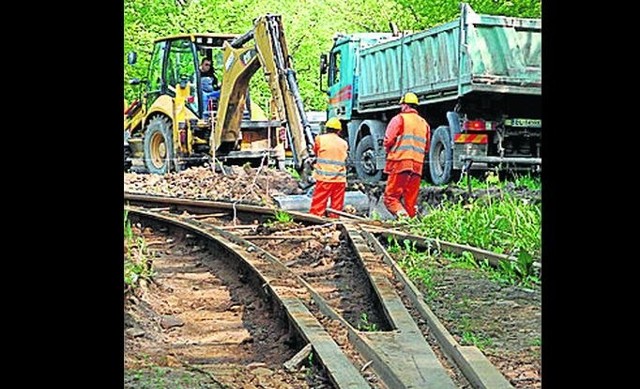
(293, 363)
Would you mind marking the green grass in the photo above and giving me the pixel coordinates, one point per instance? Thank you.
(415, 264)
(480, 341)
(520, 272)
(492, 180)
(165, 377)
(137, 262)
(504, 225)
(470, 337)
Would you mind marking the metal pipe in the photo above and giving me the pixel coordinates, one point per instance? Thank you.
(293, 86)
(242, 39)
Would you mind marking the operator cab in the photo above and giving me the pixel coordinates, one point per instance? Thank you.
(176, 58)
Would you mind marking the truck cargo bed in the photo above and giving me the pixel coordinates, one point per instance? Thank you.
(498, 54)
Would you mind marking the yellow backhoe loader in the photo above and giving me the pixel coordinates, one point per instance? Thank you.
(178, 122)
(182, 119)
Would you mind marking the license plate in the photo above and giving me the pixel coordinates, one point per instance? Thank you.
(535, 123)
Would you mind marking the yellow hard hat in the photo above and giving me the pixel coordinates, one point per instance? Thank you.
(334, 123)
(409, 98)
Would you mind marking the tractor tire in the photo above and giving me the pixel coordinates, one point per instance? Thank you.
(365, 161)
(127, 160)
(158, 145)
(440, 156)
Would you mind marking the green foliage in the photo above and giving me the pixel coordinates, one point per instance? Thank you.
(423, 14)
(465, 181)
(128, 232)
(294, 173)
(309, 27)
(281, 218)
(480, 341)
(137, 263)
(364, 324)
(506, 224)
(528, 182)
(492, 180)
(415, 264)
(520, 272)
(469, 337)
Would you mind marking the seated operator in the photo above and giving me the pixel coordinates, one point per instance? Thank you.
(206, 70)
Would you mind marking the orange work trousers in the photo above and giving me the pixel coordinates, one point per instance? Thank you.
(325, 191)
(404, 185)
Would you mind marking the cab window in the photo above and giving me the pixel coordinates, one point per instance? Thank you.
(181, 61)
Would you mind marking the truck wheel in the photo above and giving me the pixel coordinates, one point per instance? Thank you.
(366, 161)
(158, 145)
(440, 156)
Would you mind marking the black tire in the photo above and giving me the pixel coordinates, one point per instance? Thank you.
(158, 145)
(127, 160)
(365, 161)
(440, 156)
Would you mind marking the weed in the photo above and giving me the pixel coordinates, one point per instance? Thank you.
(414, 263)
(310, 363)
(471, 338)
(479, 341)
(137, 263)
(364, 324)
(527, 181)
(281, 218)
(505, 225)
(294, 173)
(128, 231)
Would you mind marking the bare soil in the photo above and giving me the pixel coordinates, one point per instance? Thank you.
(504, 321)
(199, 325)
(229, 336)
(242, 184)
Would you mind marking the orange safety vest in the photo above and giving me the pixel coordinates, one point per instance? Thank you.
(331, 165)
(411, 144)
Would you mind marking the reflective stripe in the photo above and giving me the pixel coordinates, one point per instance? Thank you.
(411, 147)
(332, 162)
(332, 155)
(421, 139)
(331, 174)
(411, 144)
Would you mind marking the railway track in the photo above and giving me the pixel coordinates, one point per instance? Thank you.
(341, 298)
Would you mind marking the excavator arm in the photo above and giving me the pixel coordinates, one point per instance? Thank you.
(266, 49)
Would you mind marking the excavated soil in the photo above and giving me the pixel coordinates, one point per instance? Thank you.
(200, 325)
(242, 184)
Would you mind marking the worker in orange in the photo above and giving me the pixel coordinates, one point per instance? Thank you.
(330, 171)
(406, 141)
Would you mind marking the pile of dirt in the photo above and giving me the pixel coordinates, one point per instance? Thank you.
(242, 184)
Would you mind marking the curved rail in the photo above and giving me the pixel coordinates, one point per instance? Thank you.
(401, 357)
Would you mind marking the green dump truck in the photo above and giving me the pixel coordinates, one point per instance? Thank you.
(479, 83)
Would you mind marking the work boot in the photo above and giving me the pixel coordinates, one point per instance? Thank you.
(401, 214)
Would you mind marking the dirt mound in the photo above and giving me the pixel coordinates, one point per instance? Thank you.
(242, 184)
